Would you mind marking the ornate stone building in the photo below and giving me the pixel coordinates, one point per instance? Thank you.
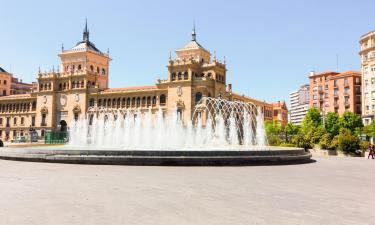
(81, 82)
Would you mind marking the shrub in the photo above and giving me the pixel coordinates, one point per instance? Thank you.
(325, 142)
(273, 140)
(301, 141)
(364, 145)
(287, 145)
(347, 142)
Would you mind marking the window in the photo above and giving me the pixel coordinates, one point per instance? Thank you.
(15, 121)
(79, 67)
(22, 120)
(138, 101)
(198, 97)
(1, 121)
(186, 76)
(75, 116)
(92, 102)
(103, 71)
(33, 121)
(4, 92)
(335, 92)
(335, 83)
(173, 76)
(154, 100)
(92, 68)
(5, 82)
(346, 82)
(44, 116)
(162, 99)
(346, 91)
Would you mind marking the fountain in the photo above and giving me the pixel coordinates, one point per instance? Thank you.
(220, 132)
(215, 124)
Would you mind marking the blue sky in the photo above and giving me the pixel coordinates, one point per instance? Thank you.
(270, 46)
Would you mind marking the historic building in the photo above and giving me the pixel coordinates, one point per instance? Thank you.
(299, 104)
(336, 92)
(81, 82)
(10, 85)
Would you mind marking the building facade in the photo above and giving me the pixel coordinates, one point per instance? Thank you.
(299, 104)
(336, 92)
(10, 85)
(81, 82)
(367, 54)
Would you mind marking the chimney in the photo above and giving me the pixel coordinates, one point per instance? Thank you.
(230, 88)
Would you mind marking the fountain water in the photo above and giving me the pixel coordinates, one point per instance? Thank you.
(216, 123)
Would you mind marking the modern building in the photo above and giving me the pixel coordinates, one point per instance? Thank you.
(336, 92)
(81, 82)
(367, 54)
(299, 104)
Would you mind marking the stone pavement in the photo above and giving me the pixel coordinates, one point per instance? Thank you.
(331, 191)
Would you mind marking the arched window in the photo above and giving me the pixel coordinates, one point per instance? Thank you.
(143, 101)
(162, 99)
(79, 67)
(92, 68)
(123, 102)
(148, 101)
(82, 84)
(97, 70)
(49, 86)
(186, 76)
(105, 102)
(113, 102)
(198, 97)
(92, 102)
(118, 102)
(99, 102)
(103, 71)
(209, 75)
(109, 103)
(128, 102)
(60, 87)
(154, 100)
(64, 86)
(173, 76)
(33, 106)
(133, 101)
(138, 101)
(179, 76)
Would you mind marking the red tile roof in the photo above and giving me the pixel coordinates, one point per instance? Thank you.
(17, 96)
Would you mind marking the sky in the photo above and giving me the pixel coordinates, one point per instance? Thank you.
(270, 46)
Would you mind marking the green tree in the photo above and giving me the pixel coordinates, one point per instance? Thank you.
(291, 129)
(332, 123)
(350, 121)
(312, 119)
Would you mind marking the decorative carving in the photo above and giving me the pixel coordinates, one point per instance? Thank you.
(77, 109)
(179, 91)
(44, 110)
(180, 104)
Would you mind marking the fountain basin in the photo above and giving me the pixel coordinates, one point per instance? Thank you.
(191, 157)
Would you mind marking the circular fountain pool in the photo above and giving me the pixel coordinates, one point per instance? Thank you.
(219, 132)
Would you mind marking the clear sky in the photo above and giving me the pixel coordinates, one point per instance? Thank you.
(270, 46)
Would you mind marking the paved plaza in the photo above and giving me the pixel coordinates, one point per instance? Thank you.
(332, 190)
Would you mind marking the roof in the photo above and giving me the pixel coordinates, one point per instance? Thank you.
(191, 45)
(86, 45)
(17, 96)
(114, 90)
(2, 70)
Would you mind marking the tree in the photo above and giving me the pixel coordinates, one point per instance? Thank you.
(332, 123)
(291, 129)
(312, 119)
(350, 121)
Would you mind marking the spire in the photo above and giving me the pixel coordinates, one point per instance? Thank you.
(86, 33)
(193, 33)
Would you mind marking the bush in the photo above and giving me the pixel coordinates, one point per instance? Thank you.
(325, 142)
(287, 145)
(347, 142)
(274, 140)
(301, 141)
(364, 145)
